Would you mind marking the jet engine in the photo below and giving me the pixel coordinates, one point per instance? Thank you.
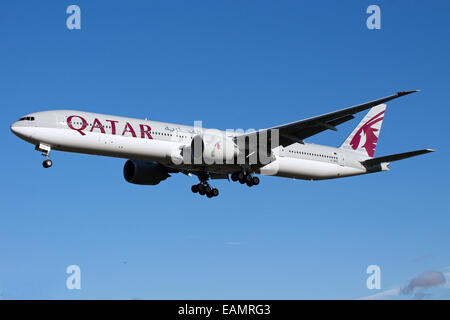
(211, 149)
(144, 172)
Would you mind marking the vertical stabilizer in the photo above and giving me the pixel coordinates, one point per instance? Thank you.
(364, 137)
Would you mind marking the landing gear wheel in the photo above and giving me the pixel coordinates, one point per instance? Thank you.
(203, 188)
(213, 193)
(47, 163)
(249, 183)
(234, 177)
(255, 181)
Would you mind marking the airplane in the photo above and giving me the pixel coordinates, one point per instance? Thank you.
(155, 150)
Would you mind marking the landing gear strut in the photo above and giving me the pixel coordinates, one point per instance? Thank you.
(203, 188)
(246, 178)
(45, 149)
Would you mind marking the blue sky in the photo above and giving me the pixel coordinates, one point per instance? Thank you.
(231, 64)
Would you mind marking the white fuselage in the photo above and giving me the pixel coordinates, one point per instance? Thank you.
(113, 136)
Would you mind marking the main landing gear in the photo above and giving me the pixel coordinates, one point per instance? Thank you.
(203, 188)
(247, 178)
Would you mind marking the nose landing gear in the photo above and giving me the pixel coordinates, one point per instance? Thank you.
(45, 149)
(47, 163)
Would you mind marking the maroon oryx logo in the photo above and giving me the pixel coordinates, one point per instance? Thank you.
(369, 132)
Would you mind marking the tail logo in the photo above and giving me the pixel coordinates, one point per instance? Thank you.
(366, 137)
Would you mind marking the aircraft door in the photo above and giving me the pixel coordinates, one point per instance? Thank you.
(341, 158)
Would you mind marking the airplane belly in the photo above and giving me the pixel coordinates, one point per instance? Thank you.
(308, 169)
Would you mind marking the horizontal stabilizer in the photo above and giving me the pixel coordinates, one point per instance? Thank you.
(394, 157)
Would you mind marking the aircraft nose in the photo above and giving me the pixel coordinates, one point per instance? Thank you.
(14, 128)
(22, 131)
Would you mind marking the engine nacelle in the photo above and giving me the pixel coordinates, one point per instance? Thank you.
(144, 173)
(213, 148)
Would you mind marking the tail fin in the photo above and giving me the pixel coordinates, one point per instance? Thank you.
(364, 137)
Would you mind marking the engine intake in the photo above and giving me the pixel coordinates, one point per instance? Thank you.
(144, 173)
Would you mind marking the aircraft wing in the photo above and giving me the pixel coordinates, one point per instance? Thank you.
(299, 130)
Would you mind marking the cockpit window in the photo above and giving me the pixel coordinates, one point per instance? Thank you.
(27, 118)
